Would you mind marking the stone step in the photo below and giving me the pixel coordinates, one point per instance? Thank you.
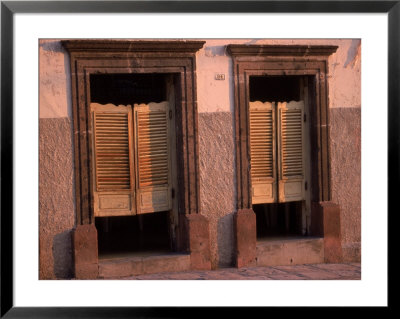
(140, 265)
(290, 251)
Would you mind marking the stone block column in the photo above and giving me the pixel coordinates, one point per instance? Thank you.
(197, 228)
(325, 222)
(85, 252)
(245, 237)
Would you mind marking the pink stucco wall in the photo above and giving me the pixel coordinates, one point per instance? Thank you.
(212, 95)
(216, 138)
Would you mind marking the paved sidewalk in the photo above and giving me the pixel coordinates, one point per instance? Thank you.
(345, 271)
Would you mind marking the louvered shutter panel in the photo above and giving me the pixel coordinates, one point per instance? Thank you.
(153, 157)
(291, 151)
(262, 152)
(113, 160)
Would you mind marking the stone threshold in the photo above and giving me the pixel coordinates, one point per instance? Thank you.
(284, 251)
(117, 266)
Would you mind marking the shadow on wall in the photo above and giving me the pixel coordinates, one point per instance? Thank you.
(212, 51)
(225, 241)
(53, 46)
(62, 254)
(353, 54)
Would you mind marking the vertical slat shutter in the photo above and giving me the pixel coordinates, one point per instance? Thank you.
(262, 152)
(153, 158)
(291, 151)
(113, 178)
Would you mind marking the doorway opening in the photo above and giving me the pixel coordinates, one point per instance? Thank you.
(278, 219)
(128, 88)
(145, 227)
(147, 233)
(278, 213)
(275, 88)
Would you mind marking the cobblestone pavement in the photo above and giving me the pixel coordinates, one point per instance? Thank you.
(345, 271)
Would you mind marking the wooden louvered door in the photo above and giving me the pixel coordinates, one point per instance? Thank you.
(262, 149)
(113, 160)
(291, 151)
(153, 167)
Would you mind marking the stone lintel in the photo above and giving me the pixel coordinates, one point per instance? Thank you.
(107, 45)
(281, 50)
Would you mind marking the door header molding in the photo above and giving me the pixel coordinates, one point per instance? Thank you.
(281, 50)
(156, 46)
(107, 56)
(282, 60)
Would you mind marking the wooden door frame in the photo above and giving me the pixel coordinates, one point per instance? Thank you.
(273, 60)
(106, 56)
(278, 60)
(137, 56)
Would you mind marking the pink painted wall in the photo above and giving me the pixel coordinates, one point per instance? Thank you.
(216, 138)
(212, 95)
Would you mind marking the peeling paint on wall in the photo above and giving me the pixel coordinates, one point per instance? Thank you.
(217, 50)
(353, 53)
(212, 95)
(54, 81)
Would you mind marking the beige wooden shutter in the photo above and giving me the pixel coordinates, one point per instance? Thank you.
(153, 157)
(262, 152)
(291, 151)
(113, 160)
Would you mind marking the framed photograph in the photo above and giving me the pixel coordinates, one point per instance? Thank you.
(147, 145)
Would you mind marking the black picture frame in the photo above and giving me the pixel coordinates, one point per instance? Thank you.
(9, 8)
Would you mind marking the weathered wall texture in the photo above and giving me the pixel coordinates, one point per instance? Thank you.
(217, 96)
(56, 198)
(345, 133)
(54, 80)
(56, 175)
(218, 182)
(212, 95)
(216, 145)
